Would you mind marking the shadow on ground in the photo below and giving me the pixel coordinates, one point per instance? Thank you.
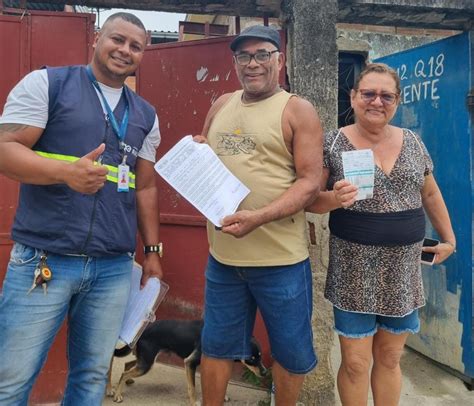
(165, 385)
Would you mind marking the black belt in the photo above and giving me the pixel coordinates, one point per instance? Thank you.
(385, 229)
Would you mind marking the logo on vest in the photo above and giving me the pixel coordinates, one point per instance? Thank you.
(129, 149)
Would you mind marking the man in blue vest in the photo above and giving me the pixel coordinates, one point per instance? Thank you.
(83, 147)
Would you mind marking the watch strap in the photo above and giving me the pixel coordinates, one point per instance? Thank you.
(158, 248)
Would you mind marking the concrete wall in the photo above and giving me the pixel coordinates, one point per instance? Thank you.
(375, 42)
(312, 70)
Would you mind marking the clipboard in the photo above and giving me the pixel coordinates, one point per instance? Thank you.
(141, 306)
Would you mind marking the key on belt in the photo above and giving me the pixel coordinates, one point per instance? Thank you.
(42, 275)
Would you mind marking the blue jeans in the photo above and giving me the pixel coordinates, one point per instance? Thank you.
(283, 294)
(92, 292)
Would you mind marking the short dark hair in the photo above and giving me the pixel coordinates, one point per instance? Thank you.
(379, 68)
(129, 17)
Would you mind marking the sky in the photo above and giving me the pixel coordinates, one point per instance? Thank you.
(153, 20)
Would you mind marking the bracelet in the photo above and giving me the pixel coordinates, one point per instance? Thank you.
(452, 245)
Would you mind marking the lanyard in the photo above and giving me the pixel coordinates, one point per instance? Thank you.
(119, 131)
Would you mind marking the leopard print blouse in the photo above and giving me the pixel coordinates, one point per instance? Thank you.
(376, 279)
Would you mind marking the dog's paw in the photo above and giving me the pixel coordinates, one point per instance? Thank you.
(129, 381)
(118, 398)
(226, 398)
(110, 392)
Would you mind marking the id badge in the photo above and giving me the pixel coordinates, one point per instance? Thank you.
(123, 178)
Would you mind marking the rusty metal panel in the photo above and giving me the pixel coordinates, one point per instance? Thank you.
(60, 39)
(49, 387)
(8, 203)
(12, 57)
(209, 30)
(27, 43)
(12, 54)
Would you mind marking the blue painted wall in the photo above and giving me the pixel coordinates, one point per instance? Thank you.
(436, 79)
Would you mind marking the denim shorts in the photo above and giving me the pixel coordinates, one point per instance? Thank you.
(360, 325)
(283, 294)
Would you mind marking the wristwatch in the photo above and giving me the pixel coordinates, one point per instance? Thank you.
(154, 248)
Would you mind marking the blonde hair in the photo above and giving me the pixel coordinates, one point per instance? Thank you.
(379, 68)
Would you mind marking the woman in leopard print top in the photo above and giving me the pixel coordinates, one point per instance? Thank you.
(374, 276)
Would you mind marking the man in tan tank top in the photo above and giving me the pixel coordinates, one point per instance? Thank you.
(272, 141)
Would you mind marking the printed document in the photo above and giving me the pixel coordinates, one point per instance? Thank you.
(197, 173)
(141, 306)
(359, 169)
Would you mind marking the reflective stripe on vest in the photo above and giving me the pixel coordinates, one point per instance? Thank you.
(111, 176)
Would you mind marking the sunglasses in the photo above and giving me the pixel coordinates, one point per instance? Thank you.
(368, 96)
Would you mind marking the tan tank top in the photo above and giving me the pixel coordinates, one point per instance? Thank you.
(248, 139)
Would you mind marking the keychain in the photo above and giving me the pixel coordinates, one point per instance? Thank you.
(45, 271)
(42, 275)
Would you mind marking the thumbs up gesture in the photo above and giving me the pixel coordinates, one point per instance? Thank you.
(86, 175)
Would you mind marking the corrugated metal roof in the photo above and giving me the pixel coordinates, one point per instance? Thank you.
(35, 6)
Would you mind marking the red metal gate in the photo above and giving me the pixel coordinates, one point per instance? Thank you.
(28, 42)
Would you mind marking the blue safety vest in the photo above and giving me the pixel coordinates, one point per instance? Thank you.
(55, 217)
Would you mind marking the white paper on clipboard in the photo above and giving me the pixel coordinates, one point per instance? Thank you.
(141, 306)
